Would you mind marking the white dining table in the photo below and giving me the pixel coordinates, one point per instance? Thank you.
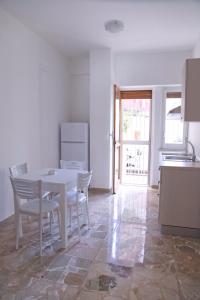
(59, 182)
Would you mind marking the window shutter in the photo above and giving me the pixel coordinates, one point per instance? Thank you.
(144, 94)
(173, 94)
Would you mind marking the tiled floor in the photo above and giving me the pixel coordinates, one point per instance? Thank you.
(122, 256)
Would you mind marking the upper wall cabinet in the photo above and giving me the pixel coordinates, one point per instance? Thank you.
(191, 90)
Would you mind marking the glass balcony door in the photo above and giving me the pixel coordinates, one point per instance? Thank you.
(134, 140)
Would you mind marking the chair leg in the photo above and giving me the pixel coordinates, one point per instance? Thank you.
(17, 220)
(78, 221)
(87, 212)
(51, 219)
(40, 230)
(70, 217)
(82, 210)
(20, 226)
(59, 224)
(52, 212)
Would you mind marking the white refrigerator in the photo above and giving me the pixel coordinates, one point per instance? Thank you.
(74, 142)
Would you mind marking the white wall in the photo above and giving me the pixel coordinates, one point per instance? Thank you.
(196, 50)
(156, 133)
(100, 112)
(149, 68)
(90, 101)
(33, 97)
(79, 90)
(194, 127)
(131, 69)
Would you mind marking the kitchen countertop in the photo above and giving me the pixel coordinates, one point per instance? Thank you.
(180, 164)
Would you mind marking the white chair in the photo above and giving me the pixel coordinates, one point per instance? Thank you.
(72, 164)
(18, 170)
(79, 197)
(35, 206)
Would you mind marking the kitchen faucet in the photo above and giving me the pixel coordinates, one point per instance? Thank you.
(193, 149)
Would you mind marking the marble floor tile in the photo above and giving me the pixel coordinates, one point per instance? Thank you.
(60, 261)
(102, 283)
(81, 263)
(83, 251)
(122, 256)
(89, 296)
(75, 278)
(98, 234)
(104, 278)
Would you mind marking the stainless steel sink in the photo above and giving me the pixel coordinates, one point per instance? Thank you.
(178, 157)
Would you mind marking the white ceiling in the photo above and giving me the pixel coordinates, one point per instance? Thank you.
(76, 26)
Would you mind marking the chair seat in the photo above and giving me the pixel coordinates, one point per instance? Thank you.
(72, 197)
(33, 206)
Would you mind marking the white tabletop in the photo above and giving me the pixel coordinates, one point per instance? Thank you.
(61, 176)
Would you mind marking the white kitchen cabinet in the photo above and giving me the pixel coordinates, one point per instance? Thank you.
(191, 90)
(179, 200)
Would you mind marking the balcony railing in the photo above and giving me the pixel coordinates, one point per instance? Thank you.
(135, 163)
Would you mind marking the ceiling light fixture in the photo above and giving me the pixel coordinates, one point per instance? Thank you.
(114, 26)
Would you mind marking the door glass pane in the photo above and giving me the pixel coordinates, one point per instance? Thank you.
(135, 119)
(135, 164)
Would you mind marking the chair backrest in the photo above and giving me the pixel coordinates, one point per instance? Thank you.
(17, 170)
(83, 181)
(26, 189)
(69, 164)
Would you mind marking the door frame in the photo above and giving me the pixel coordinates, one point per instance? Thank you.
(116, 95)
(114, 127)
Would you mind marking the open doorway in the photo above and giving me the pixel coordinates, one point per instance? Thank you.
(132, 123)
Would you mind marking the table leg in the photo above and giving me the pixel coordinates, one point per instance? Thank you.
(63, 214)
